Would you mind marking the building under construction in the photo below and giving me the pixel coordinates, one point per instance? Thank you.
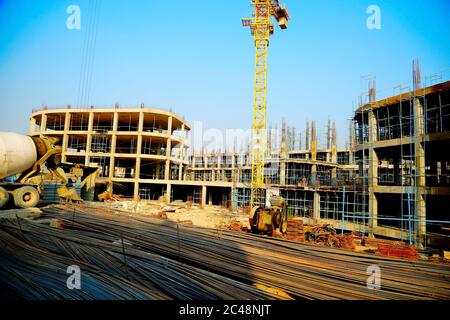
(139, 152)
(392, 180)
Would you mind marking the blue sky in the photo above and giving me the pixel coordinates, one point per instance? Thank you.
(196, 58)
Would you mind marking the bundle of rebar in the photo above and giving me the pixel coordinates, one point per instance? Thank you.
(134, 257)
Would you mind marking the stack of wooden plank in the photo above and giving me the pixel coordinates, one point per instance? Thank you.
(295, 231)
(391, 248)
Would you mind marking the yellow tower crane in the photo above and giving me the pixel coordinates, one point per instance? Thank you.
(262, 28)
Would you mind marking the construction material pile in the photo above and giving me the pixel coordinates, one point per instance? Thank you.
(295, 231)
(324, 235)
(126, 257)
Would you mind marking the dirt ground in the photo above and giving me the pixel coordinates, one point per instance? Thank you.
(208, 217)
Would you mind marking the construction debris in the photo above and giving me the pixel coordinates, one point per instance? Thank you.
(108, 196)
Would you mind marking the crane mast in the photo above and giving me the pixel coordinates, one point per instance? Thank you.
(262, 27)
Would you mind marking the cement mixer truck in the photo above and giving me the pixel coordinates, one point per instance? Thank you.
(23, 156)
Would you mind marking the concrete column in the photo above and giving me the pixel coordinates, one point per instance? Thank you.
(43, 125)
(213, 172)
(182, 153)
(373, 213)
(334, 153)
(316, 209)
(136, 195)
(334, 175)
(313, 142)
(334, 145)
(180, 172)
(31, 130)
(373, 173)
(169, 193)
(65, 142)
(351, 157)
(89, 138)
(419, 131)
(137, 171)
(113, 145)
(204, 193)
(313, 175)
(168, 150)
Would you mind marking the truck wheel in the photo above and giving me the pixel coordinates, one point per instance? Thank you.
(4, 197)
(26, 197)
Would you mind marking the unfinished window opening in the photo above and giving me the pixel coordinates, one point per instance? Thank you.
(79, 122)
(387, 172)
(298, 174)
(241, 197)
(152, 146)
(324, 176)
(128, 122)
(321, 156)
(437, 218)
(212, 162)
(155, 123)
(219, 196)
(174, 171)
(124, 189)
(272, 173)
(126, 145)
(103, 122)
(343, 158)
(37, 124)
(199, 162)
(151, 169)
(124, 168)
(101, 144)
(361, 126)
(191, 194)
(151, 191)
(103, 163)
(245, 176)
(77, 144)
(56, 122)
(299, 203)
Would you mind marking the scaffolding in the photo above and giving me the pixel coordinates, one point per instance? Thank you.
(299, 203)
(406, 169)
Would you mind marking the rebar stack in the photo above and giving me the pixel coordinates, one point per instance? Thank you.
(134, 257)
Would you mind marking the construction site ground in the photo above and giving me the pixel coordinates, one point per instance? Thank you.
(182, 212)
